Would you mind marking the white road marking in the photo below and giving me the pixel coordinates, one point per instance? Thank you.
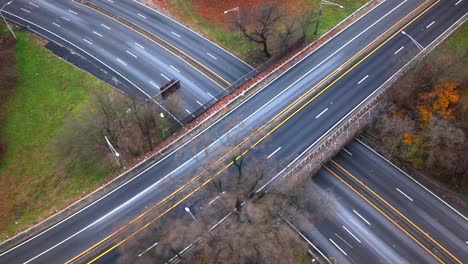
(114, 190)
(400, 191)
(367, 222)
(33, 4)
(104, 26)
(64, 18)
(131, 54)
(141, 15)
(273, 153)
(396, 52)
(110, 1)
(199, 103)
(459, 1)
(432, 23)
(321, 113)
(211, 56)
(216, 198)
(338, 247)
(349, 153)
(344, 240)
(55, 24)
(96, 33)
(121, 61)
(73, 12)
(140, 46)
(174, 68)
(152, 83)
(175, 34)
(25, 10)
(211, 95)
(186, 110)
(155, 244)
(349, 232)
(88, 41)
(418, 183)
(165, 77)
(363, 79)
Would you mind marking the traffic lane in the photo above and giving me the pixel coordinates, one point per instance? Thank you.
(163, 65)
(308, 125)
(90, 35)
(202, 50)
(436, 23)
(373, 236)
(432, 216)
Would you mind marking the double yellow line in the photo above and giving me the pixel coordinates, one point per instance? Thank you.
(165, 47)
(392, 208)
(311, 90)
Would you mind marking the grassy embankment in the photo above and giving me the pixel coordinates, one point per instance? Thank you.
(33, 183)
(184, 11)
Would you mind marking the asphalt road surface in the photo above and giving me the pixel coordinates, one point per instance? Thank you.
(282, 144)
(445, 223)
(132, 57)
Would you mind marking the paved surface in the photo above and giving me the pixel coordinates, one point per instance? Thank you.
(280, 147)
(447, 225)
(130, 56)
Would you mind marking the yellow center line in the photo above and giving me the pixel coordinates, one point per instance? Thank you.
(165, 48)
(263, 126)
(381, 212)
(394, 209)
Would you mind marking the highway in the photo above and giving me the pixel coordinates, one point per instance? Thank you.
(441, 221)
(300, 128)
(131, 56)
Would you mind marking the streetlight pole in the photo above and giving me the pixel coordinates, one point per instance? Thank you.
(325, 2)
(8, 25)
(235, 9)
(190, 212)
(114, 152)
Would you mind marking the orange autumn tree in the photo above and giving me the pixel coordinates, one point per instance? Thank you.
(439, 101)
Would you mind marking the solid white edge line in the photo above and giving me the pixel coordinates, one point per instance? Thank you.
(199, 134)
(404, 194)
(347, 151)
(338, 247)
(417, 182)
(351, 234)
(304, 237)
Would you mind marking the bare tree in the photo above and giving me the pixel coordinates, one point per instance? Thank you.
(263, 29)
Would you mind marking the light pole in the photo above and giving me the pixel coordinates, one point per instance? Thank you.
(116, 154)
(235, 9)
(420, 47)
(320, 12)
(8, 25)
(190, 212)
